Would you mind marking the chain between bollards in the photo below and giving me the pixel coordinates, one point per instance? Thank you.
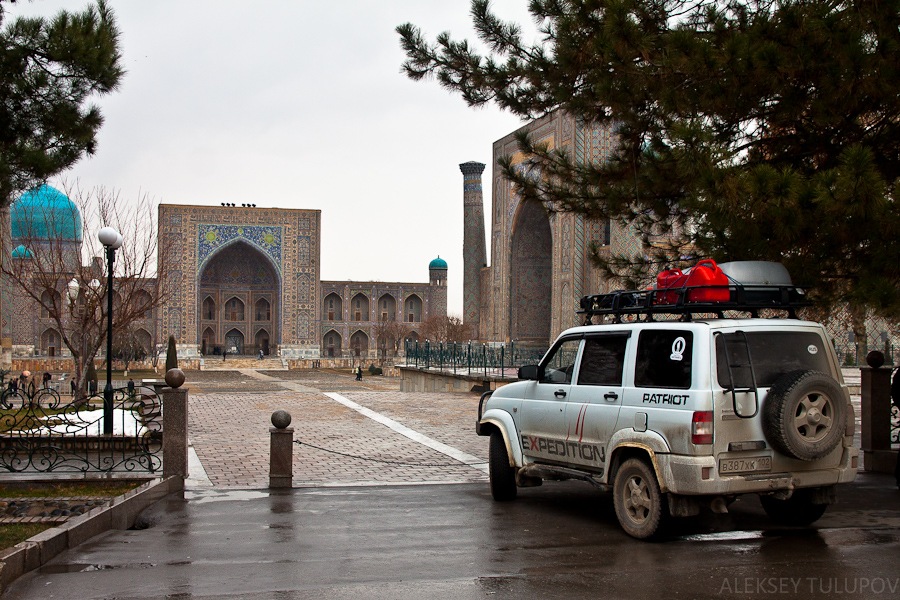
(390, 462)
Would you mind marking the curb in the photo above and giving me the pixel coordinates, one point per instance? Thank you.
(120, 513)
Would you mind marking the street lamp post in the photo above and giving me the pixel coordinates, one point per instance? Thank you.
(112, 239)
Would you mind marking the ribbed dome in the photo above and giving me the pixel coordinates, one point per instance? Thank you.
(21, 251)
(438, 263)
(45, 213)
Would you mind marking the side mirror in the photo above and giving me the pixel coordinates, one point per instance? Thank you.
(530, 372)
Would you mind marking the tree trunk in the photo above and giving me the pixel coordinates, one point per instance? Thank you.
(858, 325)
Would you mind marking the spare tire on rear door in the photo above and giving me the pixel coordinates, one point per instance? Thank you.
(804, 414)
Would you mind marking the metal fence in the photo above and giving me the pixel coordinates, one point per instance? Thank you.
(43, 431)
(485, 360)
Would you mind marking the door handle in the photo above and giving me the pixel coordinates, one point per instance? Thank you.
(560, 393)
(611, 396)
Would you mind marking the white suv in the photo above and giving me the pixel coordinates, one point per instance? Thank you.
(675, 415)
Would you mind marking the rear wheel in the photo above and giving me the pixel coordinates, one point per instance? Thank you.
(799, 509)
(502, 475)
(638, 500)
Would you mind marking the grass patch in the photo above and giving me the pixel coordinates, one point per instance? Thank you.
(13, 533)
(69, 489)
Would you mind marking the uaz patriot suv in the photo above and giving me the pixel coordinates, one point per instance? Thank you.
(672, 415)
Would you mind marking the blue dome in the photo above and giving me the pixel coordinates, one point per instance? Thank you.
(21, 251)
(438, 263)
(45, 213)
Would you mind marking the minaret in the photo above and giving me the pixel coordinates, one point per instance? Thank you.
(474, 256)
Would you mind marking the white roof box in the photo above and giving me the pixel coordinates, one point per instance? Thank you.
(756, 272)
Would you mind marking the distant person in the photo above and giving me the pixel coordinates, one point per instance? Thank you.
(358, 373)
(45, 380)
(224, 354)
(92, 387)
(72, 386)
(260, 354)
(130, 387)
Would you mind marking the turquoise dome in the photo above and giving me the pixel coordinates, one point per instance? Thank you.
(21, 251)
(45, 213)
(438, 263)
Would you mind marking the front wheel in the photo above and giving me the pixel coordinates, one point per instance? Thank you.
(502, 475)
(799, 509)
(638, 500)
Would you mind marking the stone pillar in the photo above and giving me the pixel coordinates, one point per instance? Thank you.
(281, 450)
(474, 255)
(875, 414)
(175, 432)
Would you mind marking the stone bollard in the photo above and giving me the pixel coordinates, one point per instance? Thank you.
(875, 414)
(281, 450)
(175, 426)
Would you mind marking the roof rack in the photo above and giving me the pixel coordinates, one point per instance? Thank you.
(689, 300)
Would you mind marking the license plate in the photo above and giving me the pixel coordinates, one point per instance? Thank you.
(745, 464)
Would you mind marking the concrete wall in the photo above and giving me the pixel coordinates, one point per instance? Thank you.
(417, 380)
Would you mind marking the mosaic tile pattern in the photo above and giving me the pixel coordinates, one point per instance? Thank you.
(212, 237)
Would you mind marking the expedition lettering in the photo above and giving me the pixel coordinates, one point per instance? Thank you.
(590, 452)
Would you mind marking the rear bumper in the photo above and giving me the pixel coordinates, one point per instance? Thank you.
(699, 476)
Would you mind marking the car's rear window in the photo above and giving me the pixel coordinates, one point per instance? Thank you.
(773, 354)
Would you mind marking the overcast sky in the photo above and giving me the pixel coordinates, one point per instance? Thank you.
(297, 104)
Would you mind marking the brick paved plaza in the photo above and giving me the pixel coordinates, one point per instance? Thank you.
(229, 421)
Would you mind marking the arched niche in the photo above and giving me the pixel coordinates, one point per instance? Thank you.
(412, 309)
(387, 308)
(359, 344)
(359, 307)
(531, 275)
(331, 344)
(332, 306)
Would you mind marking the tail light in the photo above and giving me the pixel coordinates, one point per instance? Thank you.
(702, 427)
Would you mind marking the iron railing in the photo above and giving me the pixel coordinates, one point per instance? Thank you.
(895, 425)
(500, 361)
(42, 431)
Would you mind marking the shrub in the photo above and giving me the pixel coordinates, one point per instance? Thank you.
(171, 355)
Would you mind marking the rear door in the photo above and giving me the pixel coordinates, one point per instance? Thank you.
(772, 353)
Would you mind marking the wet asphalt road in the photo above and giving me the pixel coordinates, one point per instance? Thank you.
(453, 541)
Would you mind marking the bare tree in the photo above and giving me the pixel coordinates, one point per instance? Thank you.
(48, 273)
(390, 333)
(446, 329)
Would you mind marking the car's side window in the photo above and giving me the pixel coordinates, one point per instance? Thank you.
(602, 360)
(664, 359)
(559, 366)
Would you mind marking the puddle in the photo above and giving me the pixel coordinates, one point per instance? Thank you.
(204, 496)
